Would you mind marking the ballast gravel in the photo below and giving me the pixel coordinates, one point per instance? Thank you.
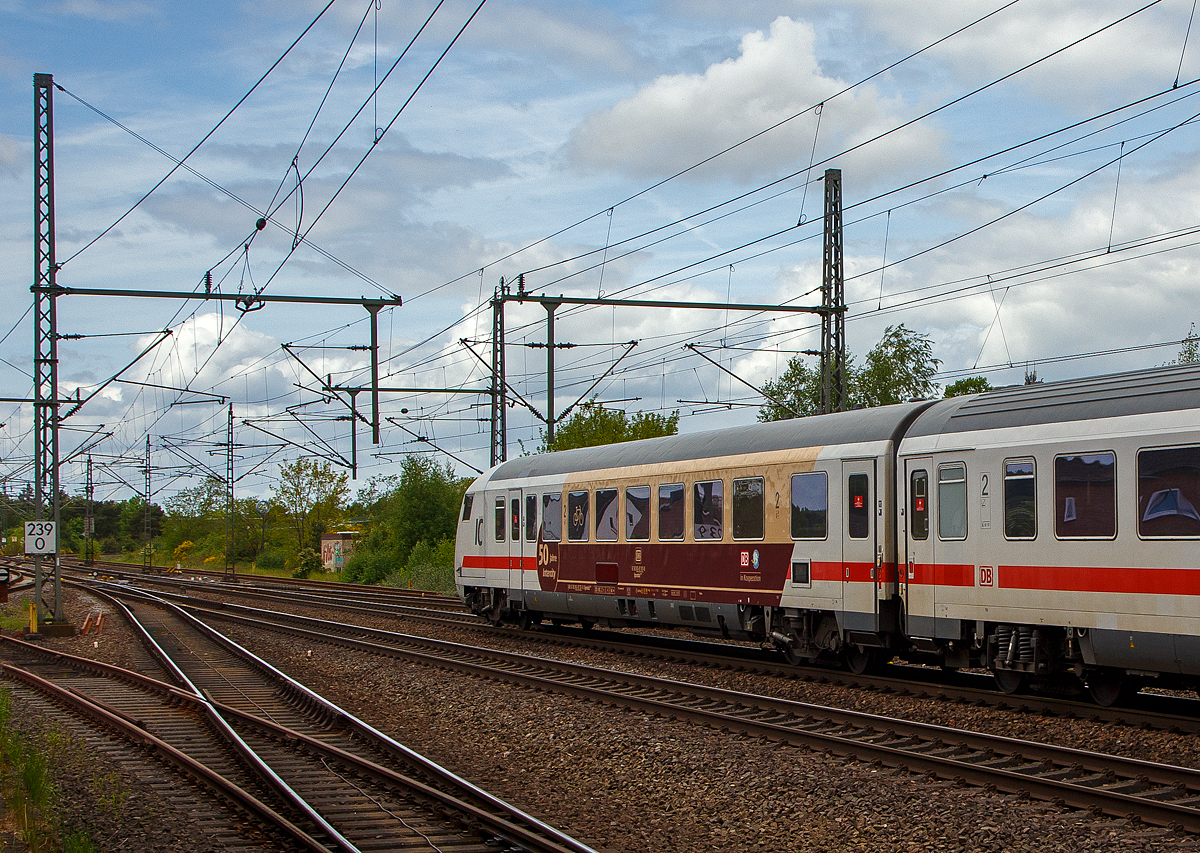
(628, 781)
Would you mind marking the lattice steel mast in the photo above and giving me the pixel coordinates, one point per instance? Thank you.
(833, 300)
(45, 335)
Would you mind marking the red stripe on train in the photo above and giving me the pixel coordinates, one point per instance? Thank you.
(1100, 579)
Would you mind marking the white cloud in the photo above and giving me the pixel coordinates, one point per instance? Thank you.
(12, 153)
(106, 10)
(681, 119)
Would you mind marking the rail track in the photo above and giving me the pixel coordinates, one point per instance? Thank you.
(323, 778)
(367, 593)
(1158, 794)
(425, 607)
(1168, 713)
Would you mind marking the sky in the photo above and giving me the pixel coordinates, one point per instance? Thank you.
(1019, 183)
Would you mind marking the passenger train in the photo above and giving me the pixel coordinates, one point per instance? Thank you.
(1049, 533)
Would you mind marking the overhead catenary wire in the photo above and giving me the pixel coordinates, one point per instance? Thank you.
(204, 139)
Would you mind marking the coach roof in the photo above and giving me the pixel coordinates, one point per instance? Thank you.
(1162, 389)
(880, 424)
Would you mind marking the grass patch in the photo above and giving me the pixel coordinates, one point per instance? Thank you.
(28, 788)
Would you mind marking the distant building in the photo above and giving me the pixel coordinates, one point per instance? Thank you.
(335, 548)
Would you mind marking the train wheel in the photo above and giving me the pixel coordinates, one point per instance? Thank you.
(586, 625)
(1106, 686)
(858, 660)
(1008, 681)
(527, 620)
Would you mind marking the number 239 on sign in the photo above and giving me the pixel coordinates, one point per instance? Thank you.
(41, 537)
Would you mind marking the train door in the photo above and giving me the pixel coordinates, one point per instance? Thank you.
(860, 544)
(916, 581)
(515, 545)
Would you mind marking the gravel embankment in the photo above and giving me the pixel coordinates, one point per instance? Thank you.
(625, 781)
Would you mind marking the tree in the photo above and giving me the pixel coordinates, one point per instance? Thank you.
(311, 492)
(421, 505)
(798, 391)
(968, 385)
(900, 367)
(1189, 349)
(592, 424)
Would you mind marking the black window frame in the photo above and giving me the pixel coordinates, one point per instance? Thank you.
(742, 503)
(1013, 500)
(1060, 509)
(630, 526)
(531, 516)
(681, 489)
(576, 499)
(914, 514)
(858, 518)
(698, 507)
(824, 476)
(1149, 495)
(549, 498)
(501, 517)
(468, 503)
(612, 499)
(944, 487)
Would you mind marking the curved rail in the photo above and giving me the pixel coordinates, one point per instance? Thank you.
(1160, 794)
(498, 818)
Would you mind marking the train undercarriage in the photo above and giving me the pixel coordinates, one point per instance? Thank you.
(1041, 658)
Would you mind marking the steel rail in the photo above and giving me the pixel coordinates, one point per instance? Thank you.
(270, 728)
(248, 754)
(555, 840)
(1065, 772)
(916, 682)
(131, 731)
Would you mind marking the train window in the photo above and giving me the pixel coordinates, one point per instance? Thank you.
(516, 519)
(810, 505)
(670, 511)
(552, 517)
(468, 501)
(1169, 493)
(952, 501)
(531, 518)
(637, 513)
(858, 508)
(499, 519)
(1085, 496)
(1020, 499)
(607, 512)
(577, 516)
(748, 510)
(918, 504)
(708, 510)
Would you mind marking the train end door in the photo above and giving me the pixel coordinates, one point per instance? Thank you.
(861, 545)
(917, 589)
(516, 544)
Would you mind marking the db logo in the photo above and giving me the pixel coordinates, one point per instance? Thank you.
(637, 555)
(745, 559)
(987, 576)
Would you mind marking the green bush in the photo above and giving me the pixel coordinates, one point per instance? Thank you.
(271, 559)
(307, 562)
(429, 568)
